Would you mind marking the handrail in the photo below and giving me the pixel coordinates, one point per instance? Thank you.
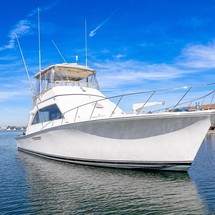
(146, 102)
(184, 103)
(182, 97)
(116, 106)
(93, 110)
(170, 108)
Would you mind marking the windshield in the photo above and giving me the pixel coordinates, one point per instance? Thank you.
(64, 77)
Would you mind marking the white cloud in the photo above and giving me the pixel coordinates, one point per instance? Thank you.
(119, 56)
(7, 58)
(9, 95)
(21, 28)
(195, 59)
(198, 57)
(132, 72)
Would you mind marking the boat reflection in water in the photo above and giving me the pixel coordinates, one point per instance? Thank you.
(202, 172)
(61, 188)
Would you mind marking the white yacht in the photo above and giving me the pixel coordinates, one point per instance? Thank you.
(72, 121)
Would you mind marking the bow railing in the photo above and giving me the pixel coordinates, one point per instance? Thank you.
(187, 98)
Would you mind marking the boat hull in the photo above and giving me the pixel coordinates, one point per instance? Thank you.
(158, 142)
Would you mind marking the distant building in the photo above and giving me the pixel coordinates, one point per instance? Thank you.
(202, 107)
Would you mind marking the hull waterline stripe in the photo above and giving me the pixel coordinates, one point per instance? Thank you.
(168, 166)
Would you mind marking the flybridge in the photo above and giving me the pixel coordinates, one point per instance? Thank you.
(65, 74)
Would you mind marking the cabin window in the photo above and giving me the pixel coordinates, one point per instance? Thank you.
(47, 114)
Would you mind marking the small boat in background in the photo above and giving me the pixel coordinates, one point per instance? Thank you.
(72, 121)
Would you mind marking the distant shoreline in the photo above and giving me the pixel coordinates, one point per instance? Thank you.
(12, 128)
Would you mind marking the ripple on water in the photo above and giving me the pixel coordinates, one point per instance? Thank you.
(32, 185)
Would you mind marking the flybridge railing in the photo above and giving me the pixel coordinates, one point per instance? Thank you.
(76, 83)
(171, 99)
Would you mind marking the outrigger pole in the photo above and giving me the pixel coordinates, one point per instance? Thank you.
(59, 52)
(26, 68)
(86, 51)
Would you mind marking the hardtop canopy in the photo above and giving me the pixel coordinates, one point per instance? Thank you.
(65, 75)
(65, 71)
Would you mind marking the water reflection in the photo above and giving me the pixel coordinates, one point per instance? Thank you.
(203, 172)
(72, 189)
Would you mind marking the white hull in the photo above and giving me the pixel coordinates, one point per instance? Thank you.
(167, 141)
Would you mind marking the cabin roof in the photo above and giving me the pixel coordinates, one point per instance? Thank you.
(73, 71)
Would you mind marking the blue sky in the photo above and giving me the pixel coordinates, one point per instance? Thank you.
(133, 45)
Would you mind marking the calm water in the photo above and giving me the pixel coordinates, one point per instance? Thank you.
(32, 185)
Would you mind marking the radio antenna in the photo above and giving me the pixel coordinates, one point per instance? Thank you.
(59, 52)
(39, 52)
(26, 68)
(86, 42)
